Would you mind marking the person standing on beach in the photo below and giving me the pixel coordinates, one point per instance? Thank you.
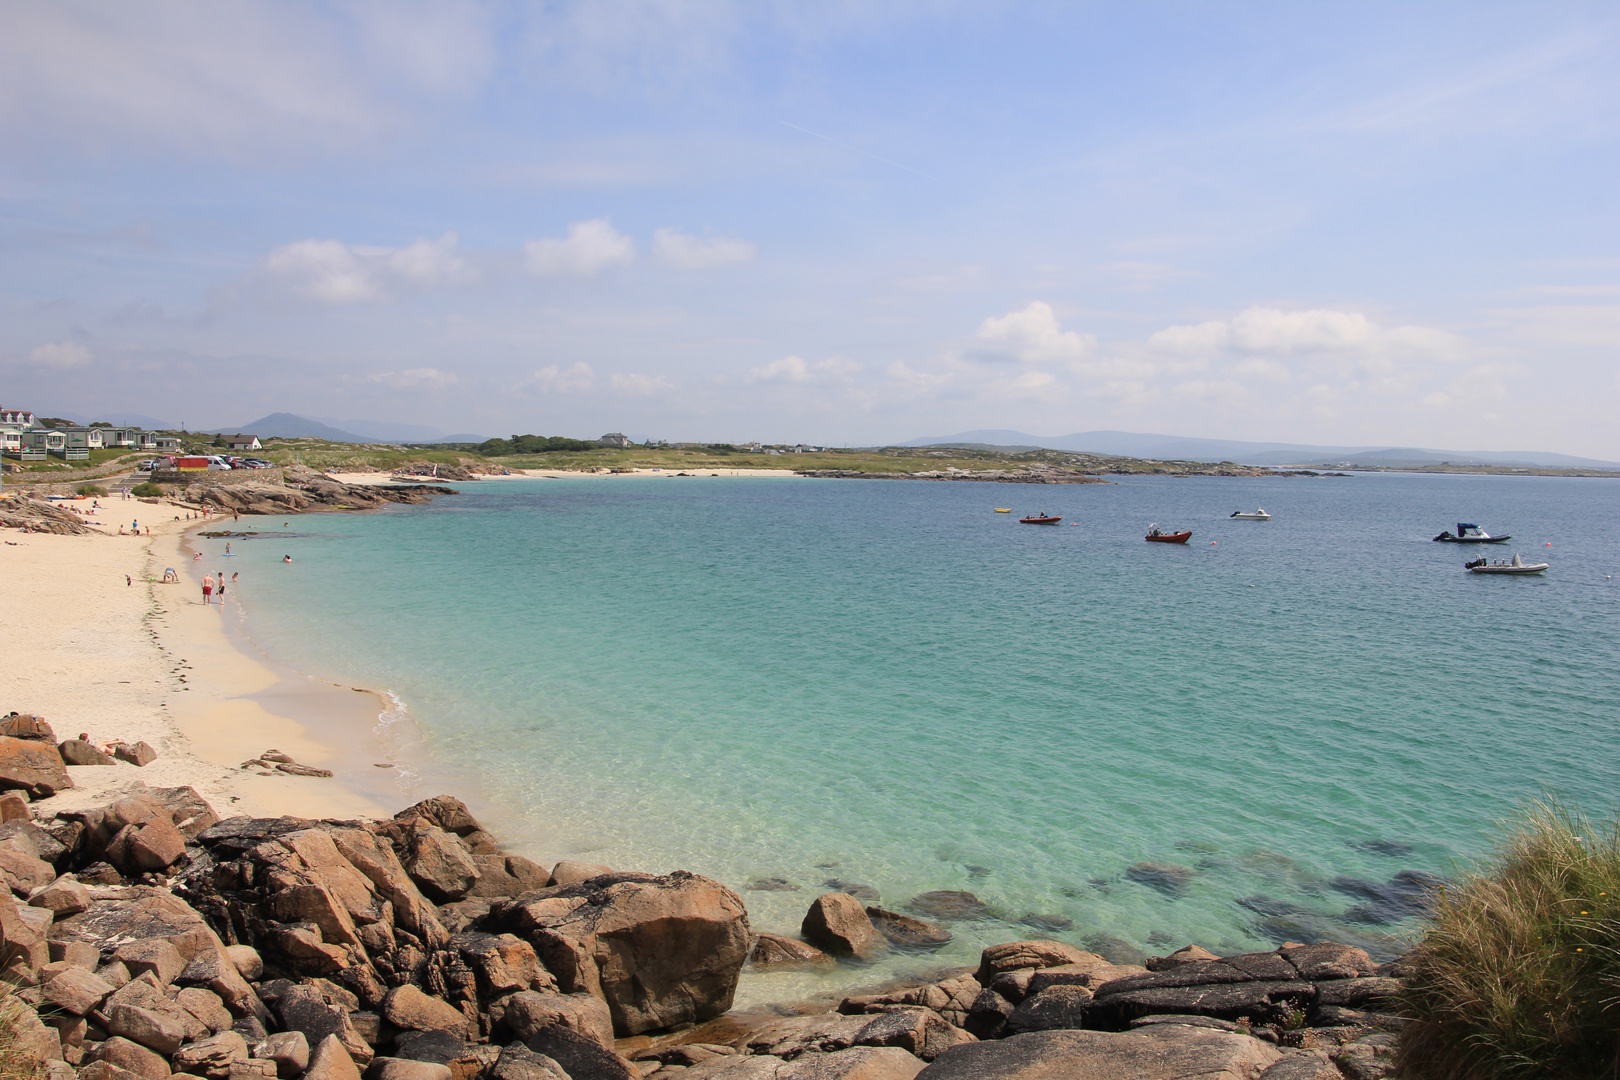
(208, 589)
(221, 587)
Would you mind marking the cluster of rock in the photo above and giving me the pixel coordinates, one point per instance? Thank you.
(1032, 474)
(305, 490)
(40, 515)
(273, 761)
(152, 938)
(34, 765)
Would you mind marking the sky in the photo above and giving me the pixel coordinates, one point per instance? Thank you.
(1338, 223)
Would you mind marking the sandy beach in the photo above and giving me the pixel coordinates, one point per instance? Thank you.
(135, 659)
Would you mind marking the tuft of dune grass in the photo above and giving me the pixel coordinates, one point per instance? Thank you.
(1518, 976)
(16, 1062)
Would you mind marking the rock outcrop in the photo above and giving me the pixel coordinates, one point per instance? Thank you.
(158, 939)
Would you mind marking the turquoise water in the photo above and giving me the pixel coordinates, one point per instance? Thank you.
(886, 683)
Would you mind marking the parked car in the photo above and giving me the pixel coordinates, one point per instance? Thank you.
(149, 464)
(218, 464)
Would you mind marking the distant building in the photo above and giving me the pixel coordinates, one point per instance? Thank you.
(163, 442)
(13, 422)
(614, 438)
(243, 442)
(121, 436)
(77, 442)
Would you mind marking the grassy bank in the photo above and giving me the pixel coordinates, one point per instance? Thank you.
(1518, 978)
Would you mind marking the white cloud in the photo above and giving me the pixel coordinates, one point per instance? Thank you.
(425, 378)
(333, 272)
(686, 252)
(641, 385)
(575, 379)
(794, 369)
(1257, 367)
(1316, 332)
(62, 355)
(1267, 330)
(1034, 336)
(590, 247)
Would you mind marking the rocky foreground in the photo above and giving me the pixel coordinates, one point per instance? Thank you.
(148, 937)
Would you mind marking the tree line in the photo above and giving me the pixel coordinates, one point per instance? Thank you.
(533, 444)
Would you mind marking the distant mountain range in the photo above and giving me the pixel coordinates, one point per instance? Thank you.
(1176, 448)
(293, 426)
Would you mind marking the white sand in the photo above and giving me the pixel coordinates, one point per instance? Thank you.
(147, 661)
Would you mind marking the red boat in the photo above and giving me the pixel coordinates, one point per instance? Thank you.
(1042, 520)
(1157, 537)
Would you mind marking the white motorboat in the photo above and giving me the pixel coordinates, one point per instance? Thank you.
(1257, 514)
(1516, 565)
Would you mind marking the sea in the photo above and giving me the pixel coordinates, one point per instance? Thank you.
(1285, 730)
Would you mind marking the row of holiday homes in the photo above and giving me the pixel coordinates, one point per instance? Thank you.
(22, 436)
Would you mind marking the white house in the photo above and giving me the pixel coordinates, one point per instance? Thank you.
(243, 442)
(614, 438)
(13, 422)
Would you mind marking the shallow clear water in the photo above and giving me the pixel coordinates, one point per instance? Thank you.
(886, 683)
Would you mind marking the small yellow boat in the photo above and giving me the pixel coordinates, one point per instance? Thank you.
(1003, 509)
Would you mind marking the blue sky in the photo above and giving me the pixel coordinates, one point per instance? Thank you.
(1348, 223)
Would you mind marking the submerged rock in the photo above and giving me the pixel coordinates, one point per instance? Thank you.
(1409, 894)
(1168, 878)
(950, 904)
(907, 932)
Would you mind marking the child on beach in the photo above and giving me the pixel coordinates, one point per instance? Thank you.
(208, 588)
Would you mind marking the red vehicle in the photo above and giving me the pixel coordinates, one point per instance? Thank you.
(1157, 537)
(1042, 520)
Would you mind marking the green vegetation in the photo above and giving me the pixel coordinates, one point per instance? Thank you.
(95, 490)
(1518, 977)
(147, 490)
(532, 444)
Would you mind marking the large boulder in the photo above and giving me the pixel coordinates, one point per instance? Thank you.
(409, 1009)
(439, 864)
(524, 1014)
(34, 767)
(303, 1008)
(211, 1057)
(374, 857)
(1013, 955)
(581, 1057)
(1163, 1052)
(79, 752)
(27, 726)
(660, 950)
(838, 924)
(331, 1061)
(568, 872)
(139, 913)
(507, 875)
(518, 1062)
